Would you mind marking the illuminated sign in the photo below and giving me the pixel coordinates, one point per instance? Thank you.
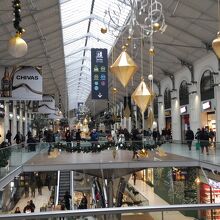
(206, 105)
(214, 184)
(183, 109)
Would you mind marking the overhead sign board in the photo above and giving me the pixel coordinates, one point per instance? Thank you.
(206, 105)
(99, 73)
(183, 109)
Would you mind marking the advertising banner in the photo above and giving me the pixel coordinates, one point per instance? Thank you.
(47, 105)
(99, 73)
(21, 83)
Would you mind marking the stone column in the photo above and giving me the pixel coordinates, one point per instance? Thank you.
(25, 122)
(6, 118)
(21, 119)
(161, 115)
(175, 114)
(14, 120)
(194, 111)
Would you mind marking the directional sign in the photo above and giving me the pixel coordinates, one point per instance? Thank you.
(99, 73)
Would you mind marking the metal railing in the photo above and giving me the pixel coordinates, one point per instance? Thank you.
(163, 210)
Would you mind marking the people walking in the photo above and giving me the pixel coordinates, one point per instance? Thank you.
(18, 138)
(66, 199)
(189, 138)
(204, 141)
(8, 137)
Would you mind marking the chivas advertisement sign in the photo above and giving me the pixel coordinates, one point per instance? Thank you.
(47, 105)
(99, 70)
(21, 83)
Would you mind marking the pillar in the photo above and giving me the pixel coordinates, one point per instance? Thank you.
(195, 112)
(161, 115)
(6, 118)
(14, 120)
(25, 122)
(21, 119)
(176, 125)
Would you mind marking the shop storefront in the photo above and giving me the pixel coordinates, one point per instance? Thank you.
(185, 122)
(148, 176)
(208, 115)
(210, 193)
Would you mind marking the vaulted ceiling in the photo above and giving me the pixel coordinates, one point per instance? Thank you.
(61, 33)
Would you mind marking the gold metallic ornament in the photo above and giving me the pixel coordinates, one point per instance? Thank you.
(151, 51)
(143, 153)
(129, 38)
(104, 30)
(17, 47)
(216, 45)
(142, 96)
(127, 111)
(161, 152)
(156, 26)
(124, 68)
(114, 90)
(126, 45)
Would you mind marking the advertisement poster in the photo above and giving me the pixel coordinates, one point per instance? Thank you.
(21, 83)
(47, 105)
(99, 73)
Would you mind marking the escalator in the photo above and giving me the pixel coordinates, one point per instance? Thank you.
(97, 194)
(121, 188)
(64, 184)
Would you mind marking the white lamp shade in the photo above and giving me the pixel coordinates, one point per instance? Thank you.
(150, 77)
(154, 125)
(17, 47)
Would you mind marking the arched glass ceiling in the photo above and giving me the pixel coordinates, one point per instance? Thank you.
(81, 24)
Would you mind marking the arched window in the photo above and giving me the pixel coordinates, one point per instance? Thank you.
(206, 85)
(167, 99)
(184, 93)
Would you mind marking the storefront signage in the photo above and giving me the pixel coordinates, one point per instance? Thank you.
(183, 109)
(206, 105)
(168, 113)
(99, 70)
(21, 83)
(214, 184)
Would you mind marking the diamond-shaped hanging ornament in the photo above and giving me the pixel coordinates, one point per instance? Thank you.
(150, 117)
(142, 96)
(127, 111)
(124, 68)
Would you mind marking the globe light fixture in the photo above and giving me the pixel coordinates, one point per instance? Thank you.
(150, 77)
(17, 47)
(216, 45)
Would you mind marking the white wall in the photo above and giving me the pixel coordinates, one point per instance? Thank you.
(194, 108)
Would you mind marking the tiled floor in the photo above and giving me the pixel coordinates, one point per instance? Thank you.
(155, 200)
(39, 200)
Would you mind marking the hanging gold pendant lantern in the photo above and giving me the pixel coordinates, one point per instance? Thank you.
(103, 30)
(124, 68)
(150, 117)
(127, 112)
(142, 96)
(216, 45)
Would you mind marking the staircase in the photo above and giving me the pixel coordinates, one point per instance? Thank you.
(64, 183)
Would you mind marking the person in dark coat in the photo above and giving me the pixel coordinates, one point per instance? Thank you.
(18, 138)
(189, 137)
(66, 199)
(31, 143)
(8, 137)
(28, 208)
(204, 140)
(78, 137)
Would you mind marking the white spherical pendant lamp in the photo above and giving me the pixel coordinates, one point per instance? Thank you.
(17, 47)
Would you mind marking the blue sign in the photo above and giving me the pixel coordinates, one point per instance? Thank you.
(99, 73)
